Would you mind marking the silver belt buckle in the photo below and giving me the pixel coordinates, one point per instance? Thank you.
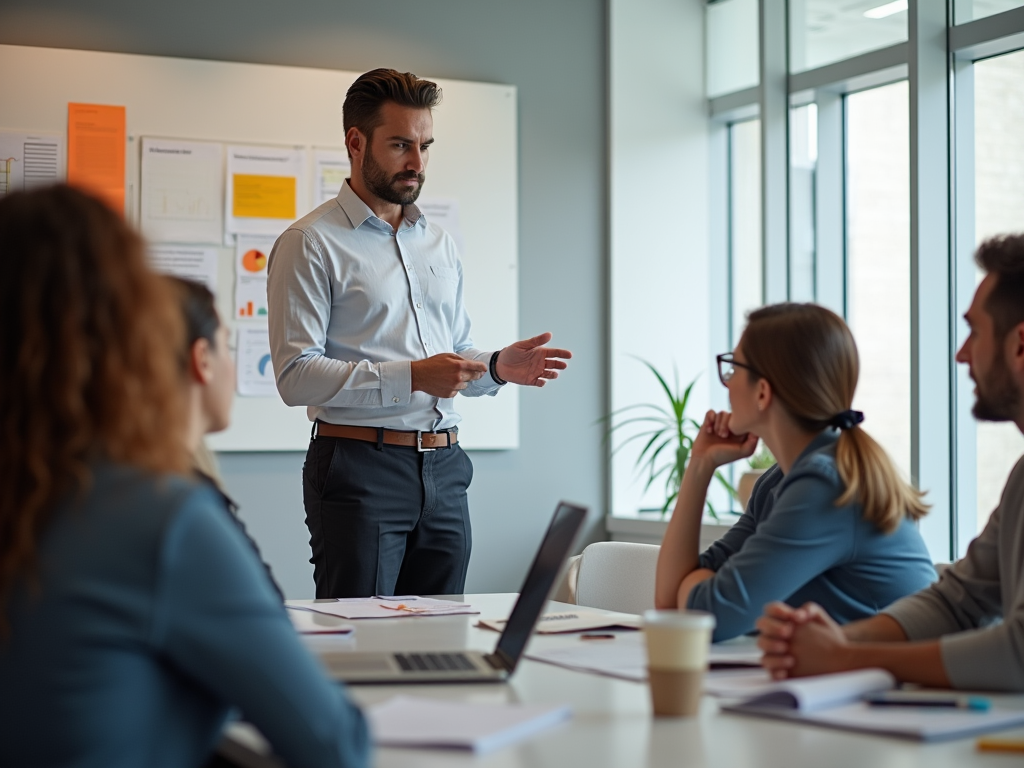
(419, 443)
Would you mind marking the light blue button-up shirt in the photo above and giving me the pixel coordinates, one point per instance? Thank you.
(352, 303)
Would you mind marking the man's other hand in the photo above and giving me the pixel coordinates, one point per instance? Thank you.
(445, 375)
(530, 363)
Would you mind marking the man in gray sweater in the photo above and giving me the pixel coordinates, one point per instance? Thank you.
(967, 629)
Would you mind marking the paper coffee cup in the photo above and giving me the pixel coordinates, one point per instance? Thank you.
(677, 657)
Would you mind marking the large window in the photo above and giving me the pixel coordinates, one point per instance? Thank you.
(744, 223)
(878, 298)
(900, 159)
(999, 207)
(825, 31)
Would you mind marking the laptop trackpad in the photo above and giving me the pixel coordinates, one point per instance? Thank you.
(339, 664)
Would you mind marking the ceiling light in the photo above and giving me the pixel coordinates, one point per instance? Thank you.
(886, 10)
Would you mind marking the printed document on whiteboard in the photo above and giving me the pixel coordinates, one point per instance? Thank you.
(182, 186)
(30, 160)
(331, 168)
(266, 189)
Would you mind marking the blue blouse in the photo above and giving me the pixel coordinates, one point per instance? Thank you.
(794, 544)
(147, 620)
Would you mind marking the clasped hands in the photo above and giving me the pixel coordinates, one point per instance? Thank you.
(797, 642)
(527, 362)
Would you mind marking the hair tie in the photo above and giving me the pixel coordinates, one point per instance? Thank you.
(846, 419)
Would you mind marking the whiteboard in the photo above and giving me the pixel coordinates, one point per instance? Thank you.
(473, 161)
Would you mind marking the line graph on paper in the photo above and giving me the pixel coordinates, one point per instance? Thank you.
(27, 161)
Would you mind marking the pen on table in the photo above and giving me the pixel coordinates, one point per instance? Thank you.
(597, 637)
(974, 703)
(998, 744)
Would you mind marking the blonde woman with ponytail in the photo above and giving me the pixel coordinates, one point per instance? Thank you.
(831, 523)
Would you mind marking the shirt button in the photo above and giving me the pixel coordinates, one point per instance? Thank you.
(418, 305)
(408, 266)
(396, 400)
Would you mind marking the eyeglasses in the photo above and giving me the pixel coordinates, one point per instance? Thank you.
(727, 365)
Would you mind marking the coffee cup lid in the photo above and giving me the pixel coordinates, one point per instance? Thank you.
(680, 619)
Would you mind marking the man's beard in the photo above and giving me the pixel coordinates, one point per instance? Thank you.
(382, 186)
(999, 399)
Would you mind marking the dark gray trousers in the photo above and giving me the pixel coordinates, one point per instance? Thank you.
(386, 520)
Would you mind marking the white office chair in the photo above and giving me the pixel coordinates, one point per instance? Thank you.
(617, 576)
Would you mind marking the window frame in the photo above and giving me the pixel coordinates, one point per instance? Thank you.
(937, 60)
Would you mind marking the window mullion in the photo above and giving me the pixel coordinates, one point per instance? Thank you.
(931, 299)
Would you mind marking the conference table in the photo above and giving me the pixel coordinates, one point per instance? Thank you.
(612, 724)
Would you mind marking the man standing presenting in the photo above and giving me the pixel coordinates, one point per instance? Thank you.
(966, 630)
(368, 329)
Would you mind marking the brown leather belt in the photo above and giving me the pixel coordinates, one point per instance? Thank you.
(421, 441)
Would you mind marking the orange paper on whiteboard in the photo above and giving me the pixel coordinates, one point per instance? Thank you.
(263, 197)
(96, 151)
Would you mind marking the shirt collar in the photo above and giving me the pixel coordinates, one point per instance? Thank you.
(826, 437)
(359, 212)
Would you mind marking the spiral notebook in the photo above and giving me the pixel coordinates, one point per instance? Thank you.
(835, 701)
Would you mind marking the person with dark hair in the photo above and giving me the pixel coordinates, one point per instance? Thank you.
(831, 522)
(368, 329)
(134, 618)
(210, 383)
(967, 630)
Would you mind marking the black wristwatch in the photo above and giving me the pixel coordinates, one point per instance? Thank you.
(493, 367)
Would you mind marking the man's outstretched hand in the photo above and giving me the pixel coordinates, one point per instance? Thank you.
(445, 375)
(530, 363)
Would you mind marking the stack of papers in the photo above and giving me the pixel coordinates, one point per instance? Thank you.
(405, 721)
(834, 701)
(385, 607)
(574, 621)
(625, 657)
(311, 623)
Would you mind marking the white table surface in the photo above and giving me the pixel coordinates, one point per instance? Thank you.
(612, 723)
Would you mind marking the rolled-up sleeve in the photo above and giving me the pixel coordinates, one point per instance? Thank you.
(965, 606)
(299, 307)
(804, 536)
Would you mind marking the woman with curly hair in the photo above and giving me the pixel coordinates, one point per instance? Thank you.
(133, 614)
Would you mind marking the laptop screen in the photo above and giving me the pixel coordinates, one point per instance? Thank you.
(551, 556)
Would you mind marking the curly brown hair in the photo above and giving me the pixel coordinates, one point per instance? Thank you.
(89, 340)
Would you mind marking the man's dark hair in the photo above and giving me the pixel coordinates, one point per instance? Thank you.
(1003, 257)
(370, 90)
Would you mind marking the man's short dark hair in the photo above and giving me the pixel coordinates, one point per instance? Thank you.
(372, 89)
(1003, 257)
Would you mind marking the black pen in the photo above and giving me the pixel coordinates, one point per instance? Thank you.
(973, 703)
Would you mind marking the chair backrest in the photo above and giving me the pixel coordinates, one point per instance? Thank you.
(617, 576)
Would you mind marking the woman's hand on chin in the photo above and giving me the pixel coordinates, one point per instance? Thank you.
(716, 444)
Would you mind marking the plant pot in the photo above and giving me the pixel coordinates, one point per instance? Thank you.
(746, 485)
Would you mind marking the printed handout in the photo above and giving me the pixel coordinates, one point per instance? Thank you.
(188, 261)
(255, 370)
(182, 186)
(30, 160)
(331, 168)
(266, 189)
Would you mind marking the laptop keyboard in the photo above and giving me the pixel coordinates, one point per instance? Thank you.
(434, 662)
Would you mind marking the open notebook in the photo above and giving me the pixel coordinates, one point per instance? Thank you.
(835, 701)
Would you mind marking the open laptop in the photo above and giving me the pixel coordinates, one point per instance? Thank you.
(459, 666)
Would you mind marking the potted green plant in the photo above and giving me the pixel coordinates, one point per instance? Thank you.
(668, 439)
(759, 463)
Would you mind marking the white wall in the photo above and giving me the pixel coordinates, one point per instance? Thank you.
(659, 213)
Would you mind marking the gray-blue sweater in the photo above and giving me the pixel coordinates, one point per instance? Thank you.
(794, 544)
(148, 618)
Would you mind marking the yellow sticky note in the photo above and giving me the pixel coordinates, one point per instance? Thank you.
(264, 197)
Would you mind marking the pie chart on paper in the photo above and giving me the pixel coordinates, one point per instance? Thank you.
(254, 261)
